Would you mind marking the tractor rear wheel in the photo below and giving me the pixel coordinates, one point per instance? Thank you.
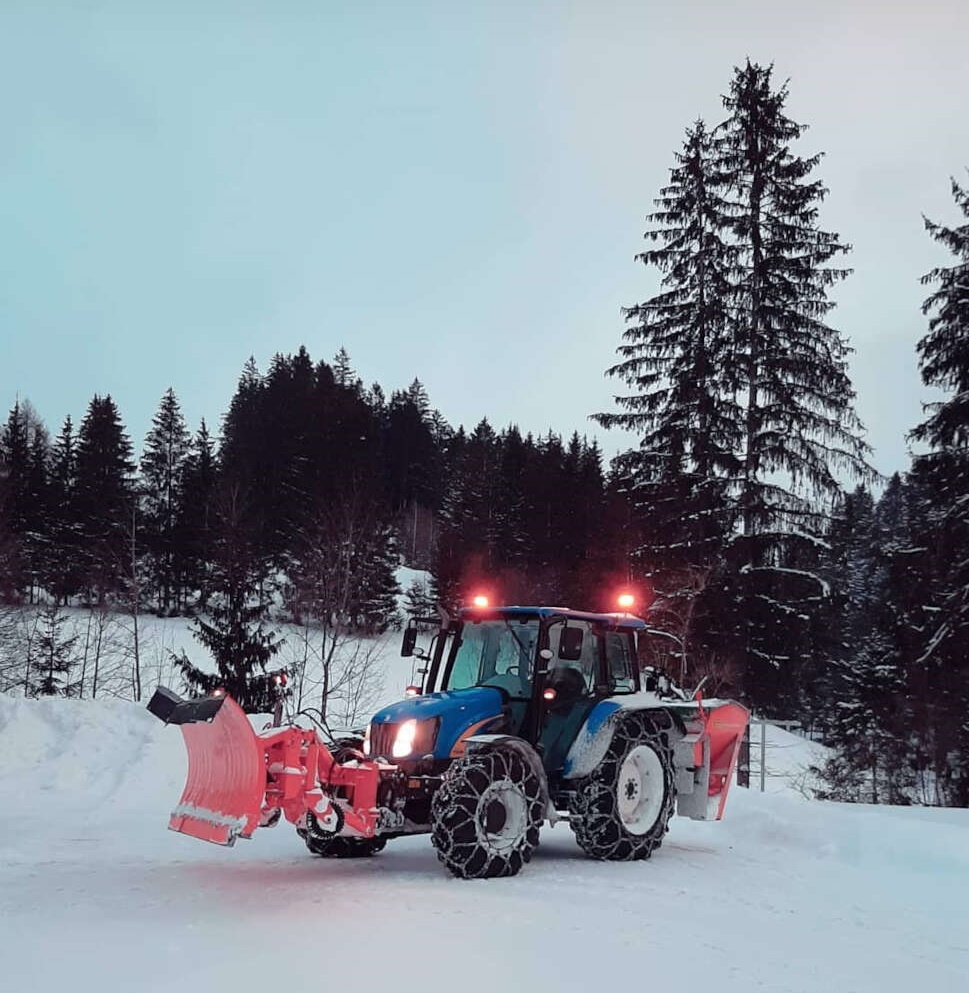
(621, 811)
(486, 815)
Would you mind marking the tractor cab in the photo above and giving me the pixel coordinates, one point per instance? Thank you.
(532, 672)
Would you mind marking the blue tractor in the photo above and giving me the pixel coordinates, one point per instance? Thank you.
(523, 715)
(532, 714)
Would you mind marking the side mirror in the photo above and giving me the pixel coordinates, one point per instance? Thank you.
(409, 641)
(570, 644)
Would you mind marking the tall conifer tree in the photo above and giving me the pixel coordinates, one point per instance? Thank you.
(24, 455)
(678, 357)
(790, 366)
(63, 560)
(197, 515)
(800, 432)
(14, 498)
(103, 497)
(944, 361)
(162, 478)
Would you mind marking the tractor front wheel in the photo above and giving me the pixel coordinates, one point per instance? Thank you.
(621, 811)
(486, 815)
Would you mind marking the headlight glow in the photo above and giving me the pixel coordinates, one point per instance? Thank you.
(404, 742)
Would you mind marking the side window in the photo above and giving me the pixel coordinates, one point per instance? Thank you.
(620, 661)
(588, 663)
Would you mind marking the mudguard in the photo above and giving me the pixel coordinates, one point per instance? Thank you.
(483, 742)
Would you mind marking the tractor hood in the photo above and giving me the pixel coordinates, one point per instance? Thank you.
(459, 713)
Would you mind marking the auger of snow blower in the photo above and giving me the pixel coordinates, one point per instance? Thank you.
(523, 715)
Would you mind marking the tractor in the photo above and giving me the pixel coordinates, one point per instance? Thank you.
(520, 715)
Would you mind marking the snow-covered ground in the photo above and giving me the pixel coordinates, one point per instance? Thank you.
(785, 895)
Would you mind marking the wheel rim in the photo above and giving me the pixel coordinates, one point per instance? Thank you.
(501, 817)
(640, 789)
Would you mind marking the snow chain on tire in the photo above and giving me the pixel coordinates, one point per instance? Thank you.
(611, 811)
(486, 815)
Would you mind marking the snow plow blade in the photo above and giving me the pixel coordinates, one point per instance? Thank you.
(226, 781)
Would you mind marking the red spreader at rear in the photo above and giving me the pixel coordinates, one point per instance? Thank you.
(726, 726)
(226, 778)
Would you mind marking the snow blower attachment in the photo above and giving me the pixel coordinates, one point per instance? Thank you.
(523, 715)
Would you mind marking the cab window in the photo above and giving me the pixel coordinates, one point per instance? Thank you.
(620, 662)
(496, 653)
(588, 662)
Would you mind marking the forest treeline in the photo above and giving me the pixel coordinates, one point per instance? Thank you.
(779, 567)
(316, 490)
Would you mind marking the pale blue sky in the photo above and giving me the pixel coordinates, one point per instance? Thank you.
(449, 190)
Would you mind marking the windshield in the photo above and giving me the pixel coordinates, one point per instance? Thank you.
(496, 652)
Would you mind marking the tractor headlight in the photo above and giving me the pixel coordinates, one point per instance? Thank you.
(410, 739)
(404, 742)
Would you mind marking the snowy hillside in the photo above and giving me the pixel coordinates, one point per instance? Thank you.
(785, 895)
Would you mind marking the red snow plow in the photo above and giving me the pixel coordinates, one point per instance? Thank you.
(239, 779)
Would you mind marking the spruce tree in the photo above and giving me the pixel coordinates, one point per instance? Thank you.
(103, 497)
(374, 606)
(508, 532)
(467, 555)
(287, 430)
(244, 458)
(39, 534)
(679, 360)
(54, 659)
(63, 560)
(861, 694)
(196, 523)
(678, 357)
(419, 599)
(941, 667)
(410, 455)
(343, 371)
(24, 456)
(800, 432)
(235, 627)
(14, 494)
(163, 464)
